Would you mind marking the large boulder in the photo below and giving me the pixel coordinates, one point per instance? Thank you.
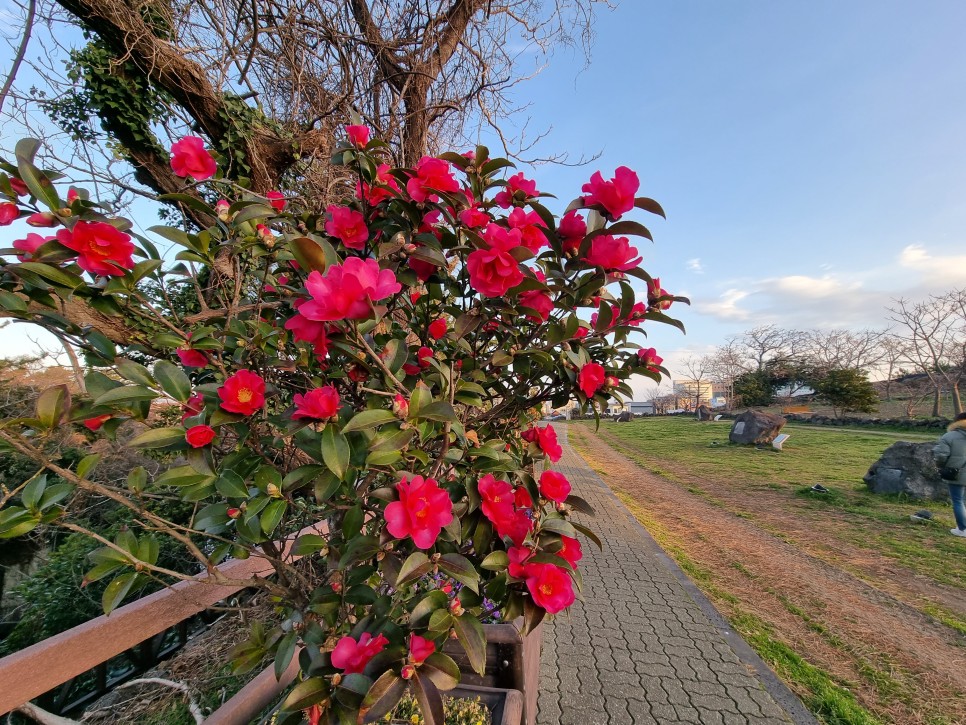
(703, 412)
(907, 468)
(624, 417)
(755, 427)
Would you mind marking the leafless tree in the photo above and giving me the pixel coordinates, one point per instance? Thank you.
(767, 342)
(724, 365)
(842, 349)
(695, 378)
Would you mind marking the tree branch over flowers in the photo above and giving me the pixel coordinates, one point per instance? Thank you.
(365, 379)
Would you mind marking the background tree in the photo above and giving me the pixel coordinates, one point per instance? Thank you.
(846, 390)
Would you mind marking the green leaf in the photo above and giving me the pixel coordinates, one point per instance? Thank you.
(231, 485)
(306, 693)
(442, 670)
(335, 451)
(52, 405)
(124, 395)
(382, 697)
(432, 602)
(429, 700)
(135, 372)
(416, 565)
(137, 479)
(253, 211)
(87, 464)
(440, 410)
(172, 380)
(496, 561)
(285, 652)
(589, 534)
(308, 544)
(117, 590)
(33, 491)
(102, 345)
(272, 515)
(559, 526)
(38, 183)
(469, 631)
(642, 202)
(16, 522)
(461, 569)
(11, 302)
(368, 419)
(180, 476)
(52, 274)
(158, 438)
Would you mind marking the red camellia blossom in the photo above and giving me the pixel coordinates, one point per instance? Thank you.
(591, 378)
(546, 440)
(358, 135)
(514, 526)
(616, 195)
(420, 648)
(474, 218)
(550, 586)
(518, 556)
(192, 406)
(531, 228)
(101, 249)
(352, 657)
(400, 406)
(8, 213)
(572, 230)
(538, 300)
(96, 422)
(571, 551)
(432, 174)
(20, 188)
(43, 219)
(554, 486)
(191, 358)
(437, 328)
(276, 199)
(307, 330)
(29, 245)
(522, 498)
(317, 404)
(347, 290)
(649, 359)
(243, 393)
(376, 193)
(198, 436)
(518, 189)
(494, 271)
(191, 158)
(581, 332)
(612, 253)
(423, 509)
(497, 498)
(348, 226)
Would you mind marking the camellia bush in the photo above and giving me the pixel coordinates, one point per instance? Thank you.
(352, 395)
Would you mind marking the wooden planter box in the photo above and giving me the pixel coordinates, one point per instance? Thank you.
(512, 663)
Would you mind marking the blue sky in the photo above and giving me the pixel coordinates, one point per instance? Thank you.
(811, 156)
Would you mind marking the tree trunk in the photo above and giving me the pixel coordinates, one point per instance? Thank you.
(957, 401)
(937, 401)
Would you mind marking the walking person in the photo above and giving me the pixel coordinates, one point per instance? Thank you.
(950, 455)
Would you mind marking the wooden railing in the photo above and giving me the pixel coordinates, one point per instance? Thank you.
(44, 666)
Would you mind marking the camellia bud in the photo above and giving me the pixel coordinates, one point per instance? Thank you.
(400, 406)
(234, 513)
(42, 219)
(407, 672)
(336, 679)
(221, 208)
(456, 608)
(336, 587)
(358, 374)
(273, 491)
(265, 234)
(611, 382)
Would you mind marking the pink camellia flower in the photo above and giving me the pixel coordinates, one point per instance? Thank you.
(654, 294)
(358, 135)
(20, 188)
(198, 436)
(546, 440)
(612, 253)
(29, 245)
(348, 290)
(572, 230)
(616, 195)
(420, 648)
(531, 228)
(192, 406)
(571, 551)
(550, 586)
(243, 393)
(474, 218)
(222, 209)
(494, 271)
(311, 331)
(539, 300)
(515, 526)
(317, 404)
(649, 359)
(591, 378)
(518, 189)
(497, 498)
(437, 328)
(192, 358)
(191, 158)
(352, 657)
(518, 556)
(376, 193)
(276, 199)
(347, 225)
(8, 213)
(423, 509)
(101, 249)
(72, 195)
(432, 174)
(95, 423)
(581, 332)
(554, 486)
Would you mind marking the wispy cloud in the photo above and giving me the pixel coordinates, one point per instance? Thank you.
(694, 265)
(726, 306)
(939, 268)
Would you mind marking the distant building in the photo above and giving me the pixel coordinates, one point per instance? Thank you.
(693, 393)
(640, 408)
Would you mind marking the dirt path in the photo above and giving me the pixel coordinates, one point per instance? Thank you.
(845, 610)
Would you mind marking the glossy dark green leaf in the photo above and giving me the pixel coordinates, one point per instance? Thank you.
(172, 380)
(335, 451)
(368, 419)
(469, 631)
(158, 438)
(416, 565)
(461, 569)
(382, 697)
(53, 405)
(306, 693)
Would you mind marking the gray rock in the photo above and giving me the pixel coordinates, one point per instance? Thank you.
(624, 417)
(754, 426)
(703, 412)
(907, 468)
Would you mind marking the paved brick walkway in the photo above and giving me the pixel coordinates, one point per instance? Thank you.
(645, 646)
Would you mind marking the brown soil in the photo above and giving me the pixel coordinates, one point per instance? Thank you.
(844, 609)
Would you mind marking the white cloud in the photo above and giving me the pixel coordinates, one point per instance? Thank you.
(799, 285)
(938, 268)
(726, 307)
(694, 265)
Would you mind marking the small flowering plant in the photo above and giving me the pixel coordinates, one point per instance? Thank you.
(351, 394)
